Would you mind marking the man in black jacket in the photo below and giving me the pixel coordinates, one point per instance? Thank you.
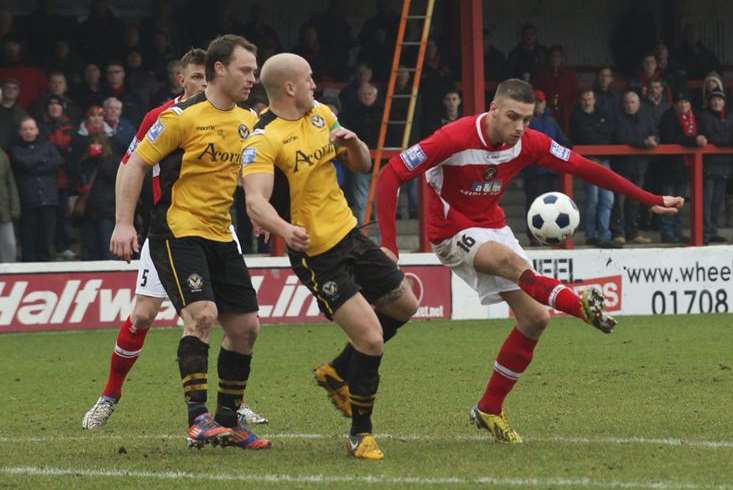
(717, 126)
(677, 126)
(35, 162)
(592, 126)
(636, 128)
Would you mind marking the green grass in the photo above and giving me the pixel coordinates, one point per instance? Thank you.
(595, 410)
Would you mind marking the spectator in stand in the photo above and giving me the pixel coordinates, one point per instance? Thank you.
(174, 84)
(694, 57)
(452, 110)
(48, 26)
(89, 93)
(678, 126)
(33, 82)
(377, 51)
(364, 120)
(10, 112)
(336, 39)
(349, 95)
(57, 87)
(100, 37)
(636, 128)
(608, 99)
(161, 54)
(56, 127)
(9, 210)
(528, 56)
(123, 130)
(65, 61)
(309, 48)
(258, 32)
(647, 73)
(140, 80)
(98, 170)
(383, 24)
(559, 84)
(8, 28)
(116, 87)
(539, 179)
(496, 67)
(713, 82)
(400, 106)
(35, 162)
(133, 40)
(591, 126)
(717, 126)
(669, 70)
(655, 101)
(437, 79)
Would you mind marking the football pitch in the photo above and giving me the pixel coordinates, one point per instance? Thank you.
(646, 407)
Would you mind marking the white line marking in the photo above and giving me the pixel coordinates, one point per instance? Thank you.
(697, 443)
(283, 478)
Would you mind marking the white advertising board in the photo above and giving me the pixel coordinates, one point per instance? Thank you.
(653, 281)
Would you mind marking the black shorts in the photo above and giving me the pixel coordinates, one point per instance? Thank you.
(355, 264)
(196, 269)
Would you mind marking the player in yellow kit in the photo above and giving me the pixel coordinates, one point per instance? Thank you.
(197, 144)
(292, 149)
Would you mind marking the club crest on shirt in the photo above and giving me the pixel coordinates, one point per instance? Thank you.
(318, 121)
(155, 131)
(489, 173)
(195, 283)
(243, 131)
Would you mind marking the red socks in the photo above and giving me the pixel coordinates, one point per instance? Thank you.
(551, 292)
(128, 347)
(514, 357)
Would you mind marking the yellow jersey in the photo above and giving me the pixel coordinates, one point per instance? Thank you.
(198, 149)
(301, 154)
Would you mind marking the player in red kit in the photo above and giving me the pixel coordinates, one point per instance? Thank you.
(468, 165)
(149, 292)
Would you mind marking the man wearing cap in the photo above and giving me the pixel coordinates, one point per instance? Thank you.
(537, 179)
(678, 126)
(717, 126)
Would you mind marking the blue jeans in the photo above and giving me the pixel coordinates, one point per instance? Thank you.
(356, 185)
(598, 205)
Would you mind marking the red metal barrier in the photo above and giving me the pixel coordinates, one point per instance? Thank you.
(695, 156)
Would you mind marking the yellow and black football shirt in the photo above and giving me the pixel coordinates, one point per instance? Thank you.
(198, 151)
(302, 151)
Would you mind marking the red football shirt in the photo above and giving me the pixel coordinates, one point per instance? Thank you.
(467, 177)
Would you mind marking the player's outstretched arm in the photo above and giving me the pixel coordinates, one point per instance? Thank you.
(127, 192)
(257, 191)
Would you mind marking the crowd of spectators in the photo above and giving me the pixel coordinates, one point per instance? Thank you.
(73, 93)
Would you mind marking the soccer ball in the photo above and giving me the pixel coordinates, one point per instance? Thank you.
(553, 218)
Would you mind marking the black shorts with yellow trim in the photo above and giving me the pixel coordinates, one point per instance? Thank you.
(196, 269)
(354, 265)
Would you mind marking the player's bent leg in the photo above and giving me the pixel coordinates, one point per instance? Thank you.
(360, 323)
(497, 259)
(235, 359)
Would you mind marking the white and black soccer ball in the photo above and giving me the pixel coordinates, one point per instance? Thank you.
(553, 218)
